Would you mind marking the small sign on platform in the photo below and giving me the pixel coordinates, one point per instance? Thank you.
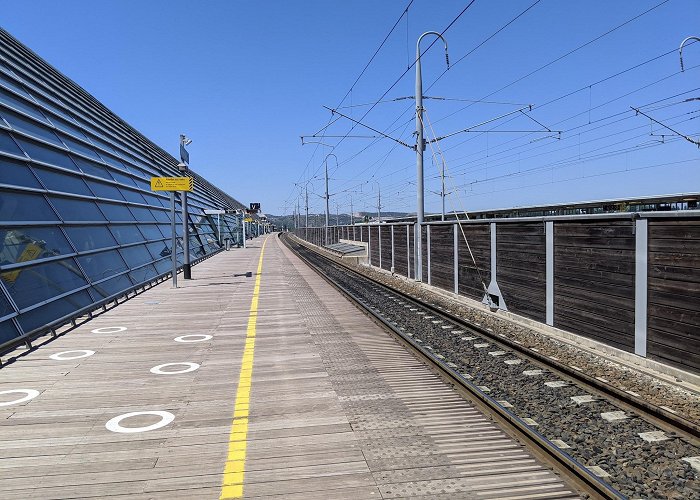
(172, 183)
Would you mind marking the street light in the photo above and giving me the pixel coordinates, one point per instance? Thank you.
(420, 147)
(186, 269)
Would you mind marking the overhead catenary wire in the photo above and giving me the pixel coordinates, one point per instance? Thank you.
(608, 32)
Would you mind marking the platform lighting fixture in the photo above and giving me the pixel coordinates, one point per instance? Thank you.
(183, 167)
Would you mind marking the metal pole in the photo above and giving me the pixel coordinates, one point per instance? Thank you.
(352, 214)
(442, 193)
(173, 243)
(326, 232)
(420, 147)
(186, 270)
(379, 203)
(306, 193)
(243, 228)
(218, 225)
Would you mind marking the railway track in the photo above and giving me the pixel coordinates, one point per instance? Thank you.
(611, 444)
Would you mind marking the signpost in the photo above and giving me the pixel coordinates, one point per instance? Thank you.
(172, 184)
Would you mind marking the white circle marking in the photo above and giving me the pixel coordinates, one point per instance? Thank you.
(66, 355)
(109, 329)
(193, 338)
(114, 423)
(28, 394)
(158, 370)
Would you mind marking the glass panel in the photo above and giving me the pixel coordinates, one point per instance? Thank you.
(159, 249)
(165, 230)
(22, 244)
(17, 173)
(8, 145)
(111, 160)
(136, 256)
(161, 215)
(16, 206)
(57, 309)
(11, 84)
(67, 126)
(126, 234)
(131, 195)
(46, 154)
(142, 183)
(151, 232)
(20, 104)
(76, 210)
(92, 168)
(144, 273)
(102, 265)
(30, 127)
(103, 190)
(164, 265)
(5, 307)
(59, 181)
(115, 212)
(8, 331)
(142, 214)
(38, 283)
(123, 178)
(113, 286)
(48, 104)
(78, 147)
(86, 238)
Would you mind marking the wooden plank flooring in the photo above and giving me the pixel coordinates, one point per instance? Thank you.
(338, 409)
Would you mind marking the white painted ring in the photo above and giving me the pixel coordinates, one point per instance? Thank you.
(190, 338)
(114, 423)
(28, 394)
(109, 329)
(61, 356)
(158, 370)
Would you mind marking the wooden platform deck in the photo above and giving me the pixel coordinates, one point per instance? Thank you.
(337, 409)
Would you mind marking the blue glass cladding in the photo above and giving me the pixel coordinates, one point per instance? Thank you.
(31, 285)
(26, 244)
(78, 222)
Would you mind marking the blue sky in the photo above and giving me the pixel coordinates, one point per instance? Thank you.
(245, 79)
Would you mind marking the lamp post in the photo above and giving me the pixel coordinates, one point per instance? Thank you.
(379, 202)
(184, 168)
(420, 147)
(327, 195)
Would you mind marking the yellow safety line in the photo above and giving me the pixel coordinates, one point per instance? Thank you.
(232, 483)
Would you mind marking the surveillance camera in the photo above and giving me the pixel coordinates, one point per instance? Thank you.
(182, 167)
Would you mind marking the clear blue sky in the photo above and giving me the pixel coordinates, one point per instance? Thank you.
(245, 79)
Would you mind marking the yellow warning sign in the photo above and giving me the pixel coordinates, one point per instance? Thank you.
(248, 219)
(172, 183)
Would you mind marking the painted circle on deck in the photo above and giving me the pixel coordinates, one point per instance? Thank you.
(114, 424)
(28, 394)
(109, 329)
(67, 355)
(189, 367)
(193, 338)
